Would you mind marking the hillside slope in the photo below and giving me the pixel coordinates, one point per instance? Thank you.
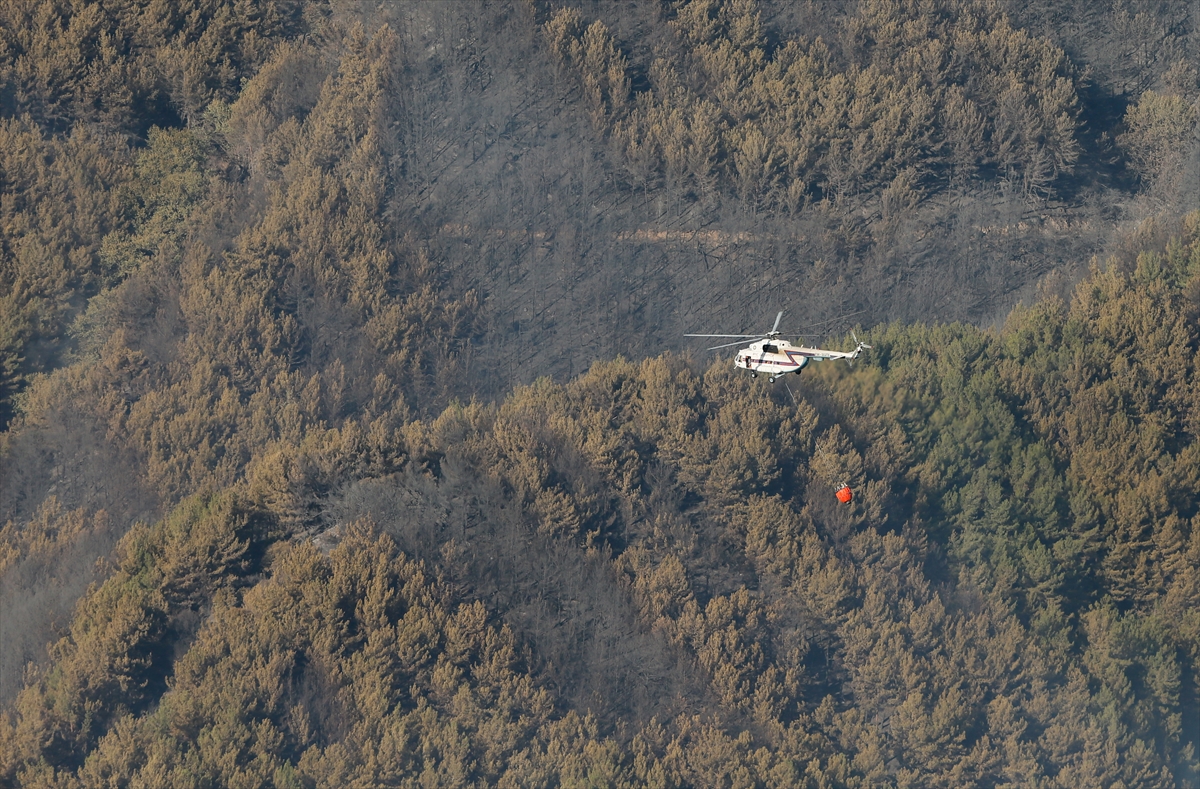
(642, 576)
(269, 272)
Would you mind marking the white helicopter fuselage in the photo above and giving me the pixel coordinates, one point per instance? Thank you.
(771, 354)
(776, 357)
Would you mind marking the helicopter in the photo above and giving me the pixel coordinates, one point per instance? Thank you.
(770, 353)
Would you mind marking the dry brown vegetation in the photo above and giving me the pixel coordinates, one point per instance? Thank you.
(310, 476)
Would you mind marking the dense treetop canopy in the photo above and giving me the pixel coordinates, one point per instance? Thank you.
(244, 361)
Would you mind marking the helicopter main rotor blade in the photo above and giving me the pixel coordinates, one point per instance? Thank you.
(777, 319)
(726, 345)
(722, 335)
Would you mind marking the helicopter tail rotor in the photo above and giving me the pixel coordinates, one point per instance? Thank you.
(859, 345)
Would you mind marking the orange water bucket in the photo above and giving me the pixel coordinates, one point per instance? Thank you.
(845, 494)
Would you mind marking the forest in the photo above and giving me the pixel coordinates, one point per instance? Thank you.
(348, 435)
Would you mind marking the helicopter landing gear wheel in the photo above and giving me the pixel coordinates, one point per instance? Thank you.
(797, 372)
(753, 375)
(771, 379)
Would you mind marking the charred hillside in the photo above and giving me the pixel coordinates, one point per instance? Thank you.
(349, 432)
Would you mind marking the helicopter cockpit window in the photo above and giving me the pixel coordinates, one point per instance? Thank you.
(770, 349)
